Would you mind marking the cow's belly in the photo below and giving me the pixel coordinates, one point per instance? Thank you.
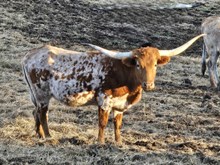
(79, 99)
(83, 98)
(70, 95)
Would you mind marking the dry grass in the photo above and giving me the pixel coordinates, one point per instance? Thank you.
(176, 124)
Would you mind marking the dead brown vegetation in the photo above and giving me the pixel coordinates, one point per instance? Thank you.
(178, 123)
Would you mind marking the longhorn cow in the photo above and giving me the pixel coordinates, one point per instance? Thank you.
(112, 80)
(211, 27)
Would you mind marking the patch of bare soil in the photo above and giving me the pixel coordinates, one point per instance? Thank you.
(178, 123)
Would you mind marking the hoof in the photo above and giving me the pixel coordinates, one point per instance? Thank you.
(119, 144)
(203, 70)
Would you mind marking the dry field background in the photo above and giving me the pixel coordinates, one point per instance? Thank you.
(178, 123)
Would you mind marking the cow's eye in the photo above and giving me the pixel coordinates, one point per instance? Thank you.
(155, 65)
(138, 65)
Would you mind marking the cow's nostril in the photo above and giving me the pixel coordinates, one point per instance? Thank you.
(144, 84)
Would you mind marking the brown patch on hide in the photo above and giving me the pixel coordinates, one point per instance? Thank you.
(117, 92)
(134, 97)
(33, 76)
(37, 75)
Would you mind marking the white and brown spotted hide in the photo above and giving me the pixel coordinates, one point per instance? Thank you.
(112, 80)
(76, 78)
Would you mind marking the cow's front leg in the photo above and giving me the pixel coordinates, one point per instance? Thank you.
(117, 126)
(103, 120)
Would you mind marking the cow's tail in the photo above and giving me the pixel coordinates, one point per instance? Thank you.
(28, 81)
(204, 54)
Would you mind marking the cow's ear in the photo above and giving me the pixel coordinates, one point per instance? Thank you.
(130, 61)
(163, 60)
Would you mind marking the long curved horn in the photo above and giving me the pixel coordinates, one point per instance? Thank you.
(113, 54)
(180, 49)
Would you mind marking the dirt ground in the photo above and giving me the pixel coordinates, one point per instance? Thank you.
(177, 123)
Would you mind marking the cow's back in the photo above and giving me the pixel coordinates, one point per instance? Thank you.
(211, 27)
(211, 24)
(41, 57)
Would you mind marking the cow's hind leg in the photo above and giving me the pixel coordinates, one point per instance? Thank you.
(212, 65)
(117, 126)
(103, 120)
(40, 96)
(204, 54)
(41, 121)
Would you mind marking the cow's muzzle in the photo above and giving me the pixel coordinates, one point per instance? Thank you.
(148, 86)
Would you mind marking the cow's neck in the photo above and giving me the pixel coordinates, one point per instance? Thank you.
(121, 79)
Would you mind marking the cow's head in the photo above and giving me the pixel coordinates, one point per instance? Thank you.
(145, 60)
